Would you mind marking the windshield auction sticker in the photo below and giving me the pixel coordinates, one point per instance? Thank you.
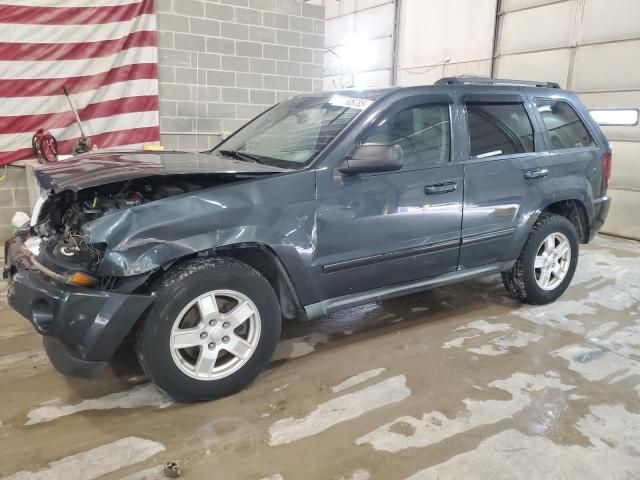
(350, 102)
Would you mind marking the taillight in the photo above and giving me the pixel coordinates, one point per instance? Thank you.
(606, 167)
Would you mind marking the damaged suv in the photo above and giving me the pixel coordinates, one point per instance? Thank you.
(323, 202)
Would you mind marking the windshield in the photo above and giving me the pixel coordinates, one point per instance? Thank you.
(293, 132)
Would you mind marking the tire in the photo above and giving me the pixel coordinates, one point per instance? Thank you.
(178, 329)
(525, 280)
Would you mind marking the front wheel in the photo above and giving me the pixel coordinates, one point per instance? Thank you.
(547, 262)
(213, 328)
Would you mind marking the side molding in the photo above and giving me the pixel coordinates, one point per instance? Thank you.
(325, 307)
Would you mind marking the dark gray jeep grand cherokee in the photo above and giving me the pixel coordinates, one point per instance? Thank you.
(323, 202)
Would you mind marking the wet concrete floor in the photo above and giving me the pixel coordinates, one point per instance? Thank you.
(461, 382)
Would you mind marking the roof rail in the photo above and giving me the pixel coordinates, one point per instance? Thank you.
(469, 80)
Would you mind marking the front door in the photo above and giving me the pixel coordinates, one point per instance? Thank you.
(377, 230)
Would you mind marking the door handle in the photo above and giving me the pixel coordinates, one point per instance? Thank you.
(444, 187)
(536, 173)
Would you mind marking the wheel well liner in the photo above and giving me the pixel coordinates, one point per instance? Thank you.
(576, 213)
(262, 258)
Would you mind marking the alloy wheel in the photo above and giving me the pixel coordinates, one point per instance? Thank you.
(552, 261)
(215, 334)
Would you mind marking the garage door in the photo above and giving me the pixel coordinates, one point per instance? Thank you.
(592, 47)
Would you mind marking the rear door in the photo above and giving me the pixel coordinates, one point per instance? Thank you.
(506, 171)
(377, 230)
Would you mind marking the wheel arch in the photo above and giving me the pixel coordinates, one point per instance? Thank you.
(573, 210)
(266, 261)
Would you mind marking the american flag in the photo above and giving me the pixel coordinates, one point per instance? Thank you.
(104, 51)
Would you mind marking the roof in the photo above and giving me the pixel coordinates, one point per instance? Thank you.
(463, 82)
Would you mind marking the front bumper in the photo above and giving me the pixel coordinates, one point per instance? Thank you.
(601, 210)
(82, 326)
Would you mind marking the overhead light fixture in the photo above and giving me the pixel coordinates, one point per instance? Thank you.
(357, 53)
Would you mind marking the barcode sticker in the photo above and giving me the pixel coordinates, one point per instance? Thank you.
(350, 102)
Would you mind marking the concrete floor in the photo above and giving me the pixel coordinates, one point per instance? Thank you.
(460, 382)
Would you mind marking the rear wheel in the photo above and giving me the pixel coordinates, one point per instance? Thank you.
(212, 330)
(547, 262)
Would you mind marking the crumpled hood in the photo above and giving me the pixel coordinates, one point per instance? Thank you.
(100, 168)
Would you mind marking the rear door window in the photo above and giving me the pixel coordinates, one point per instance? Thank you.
(499, 129)
(565, 128)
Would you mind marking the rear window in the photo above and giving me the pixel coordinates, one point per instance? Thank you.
(499, 129)
(565, 128)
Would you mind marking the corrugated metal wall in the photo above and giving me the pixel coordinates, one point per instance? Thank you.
(591, 46)
(358, 41)
(441, 38)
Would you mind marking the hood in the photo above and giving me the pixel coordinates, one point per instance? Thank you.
(99, 168)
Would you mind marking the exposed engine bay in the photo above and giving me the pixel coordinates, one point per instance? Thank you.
(60, 222)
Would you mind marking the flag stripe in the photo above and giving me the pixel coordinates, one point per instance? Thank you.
(48, 121)
(139, 136)
(23, 14)
(142, 135)
(104, 51)
(53, 86)
(8, 157)
(69, 3)
(10, 33)
(76, 51)
(19, 106)
(123, 121)
(27, 70)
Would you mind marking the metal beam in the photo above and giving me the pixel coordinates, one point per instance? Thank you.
(496, 38)
(396, 42)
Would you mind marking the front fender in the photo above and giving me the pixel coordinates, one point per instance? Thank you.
(277, 211)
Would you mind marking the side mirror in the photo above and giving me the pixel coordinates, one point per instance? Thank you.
(371, 158)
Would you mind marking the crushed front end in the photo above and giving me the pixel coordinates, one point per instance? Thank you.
(78, 287)
(55, 282)
(81, 325)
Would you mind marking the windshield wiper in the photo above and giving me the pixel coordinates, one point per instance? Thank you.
(240, 155)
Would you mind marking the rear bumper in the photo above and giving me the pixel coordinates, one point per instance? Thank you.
(601, 210)
(82, 326)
